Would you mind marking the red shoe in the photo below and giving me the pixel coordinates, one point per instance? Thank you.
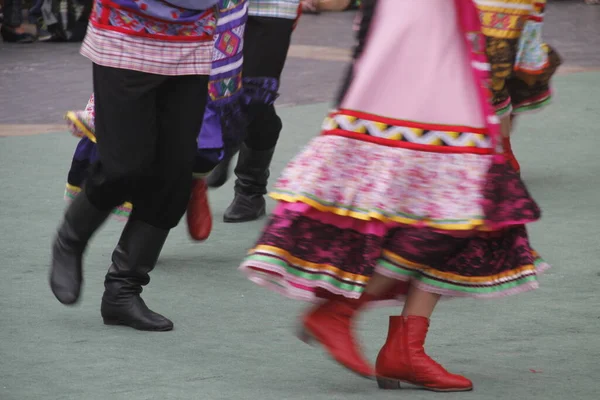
(199, 218)
(510, 156)
(403, 359)
(330, 323)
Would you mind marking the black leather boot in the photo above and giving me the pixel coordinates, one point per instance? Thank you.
(81, 220)
(132, 260)
(252, 173)
(220, 174)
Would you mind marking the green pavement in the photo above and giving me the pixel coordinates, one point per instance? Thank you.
(233, 340)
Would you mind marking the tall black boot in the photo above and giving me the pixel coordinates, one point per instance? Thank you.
(252, 173)
(81, 220)
(133, 259)
(220, 174)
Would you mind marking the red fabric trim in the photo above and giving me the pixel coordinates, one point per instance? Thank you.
(505, 104)
(540, 71)
(406, 145)
(104, 16)
(535, 18)
(410, 124)
(164, 38)
(129, 40)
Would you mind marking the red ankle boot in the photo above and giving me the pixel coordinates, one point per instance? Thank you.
(509, 155)
(199, 218)
(330, 323)
(403, 359)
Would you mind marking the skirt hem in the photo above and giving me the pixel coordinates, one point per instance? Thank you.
(276, 278)
(120, 213)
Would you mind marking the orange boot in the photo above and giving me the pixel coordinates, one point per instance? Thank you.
(509, 155)
(403, 359)
(330, 323)
(199, 218)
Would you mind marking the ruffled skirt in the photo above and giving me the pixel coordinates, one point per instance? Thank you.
(404, 179)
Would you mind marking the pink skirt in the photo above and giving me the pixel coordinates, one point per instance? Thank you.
(405, 178)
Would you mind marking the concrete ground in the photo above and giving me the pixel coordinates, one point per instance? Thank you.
(233, 340)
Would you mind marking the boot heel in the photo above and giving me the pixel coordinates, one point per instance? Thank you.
(388, 384)
(108, 321)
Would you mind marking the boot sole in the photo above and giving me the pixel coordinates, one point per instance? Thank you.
(234, 220)
(307, 337)
(394, 384)
(116, 322)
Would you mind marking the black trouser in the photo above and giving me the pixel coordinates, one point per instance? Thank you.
(146, 130)
(266, 44)
(13, 10)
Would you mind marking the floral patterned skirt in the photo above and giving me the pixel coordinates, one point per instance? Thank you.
(329, 233)
(405, 179)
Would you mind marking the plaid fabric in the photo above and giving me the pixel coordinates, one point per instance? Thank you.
(117, 50)
(129, 38)
(287, 9)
